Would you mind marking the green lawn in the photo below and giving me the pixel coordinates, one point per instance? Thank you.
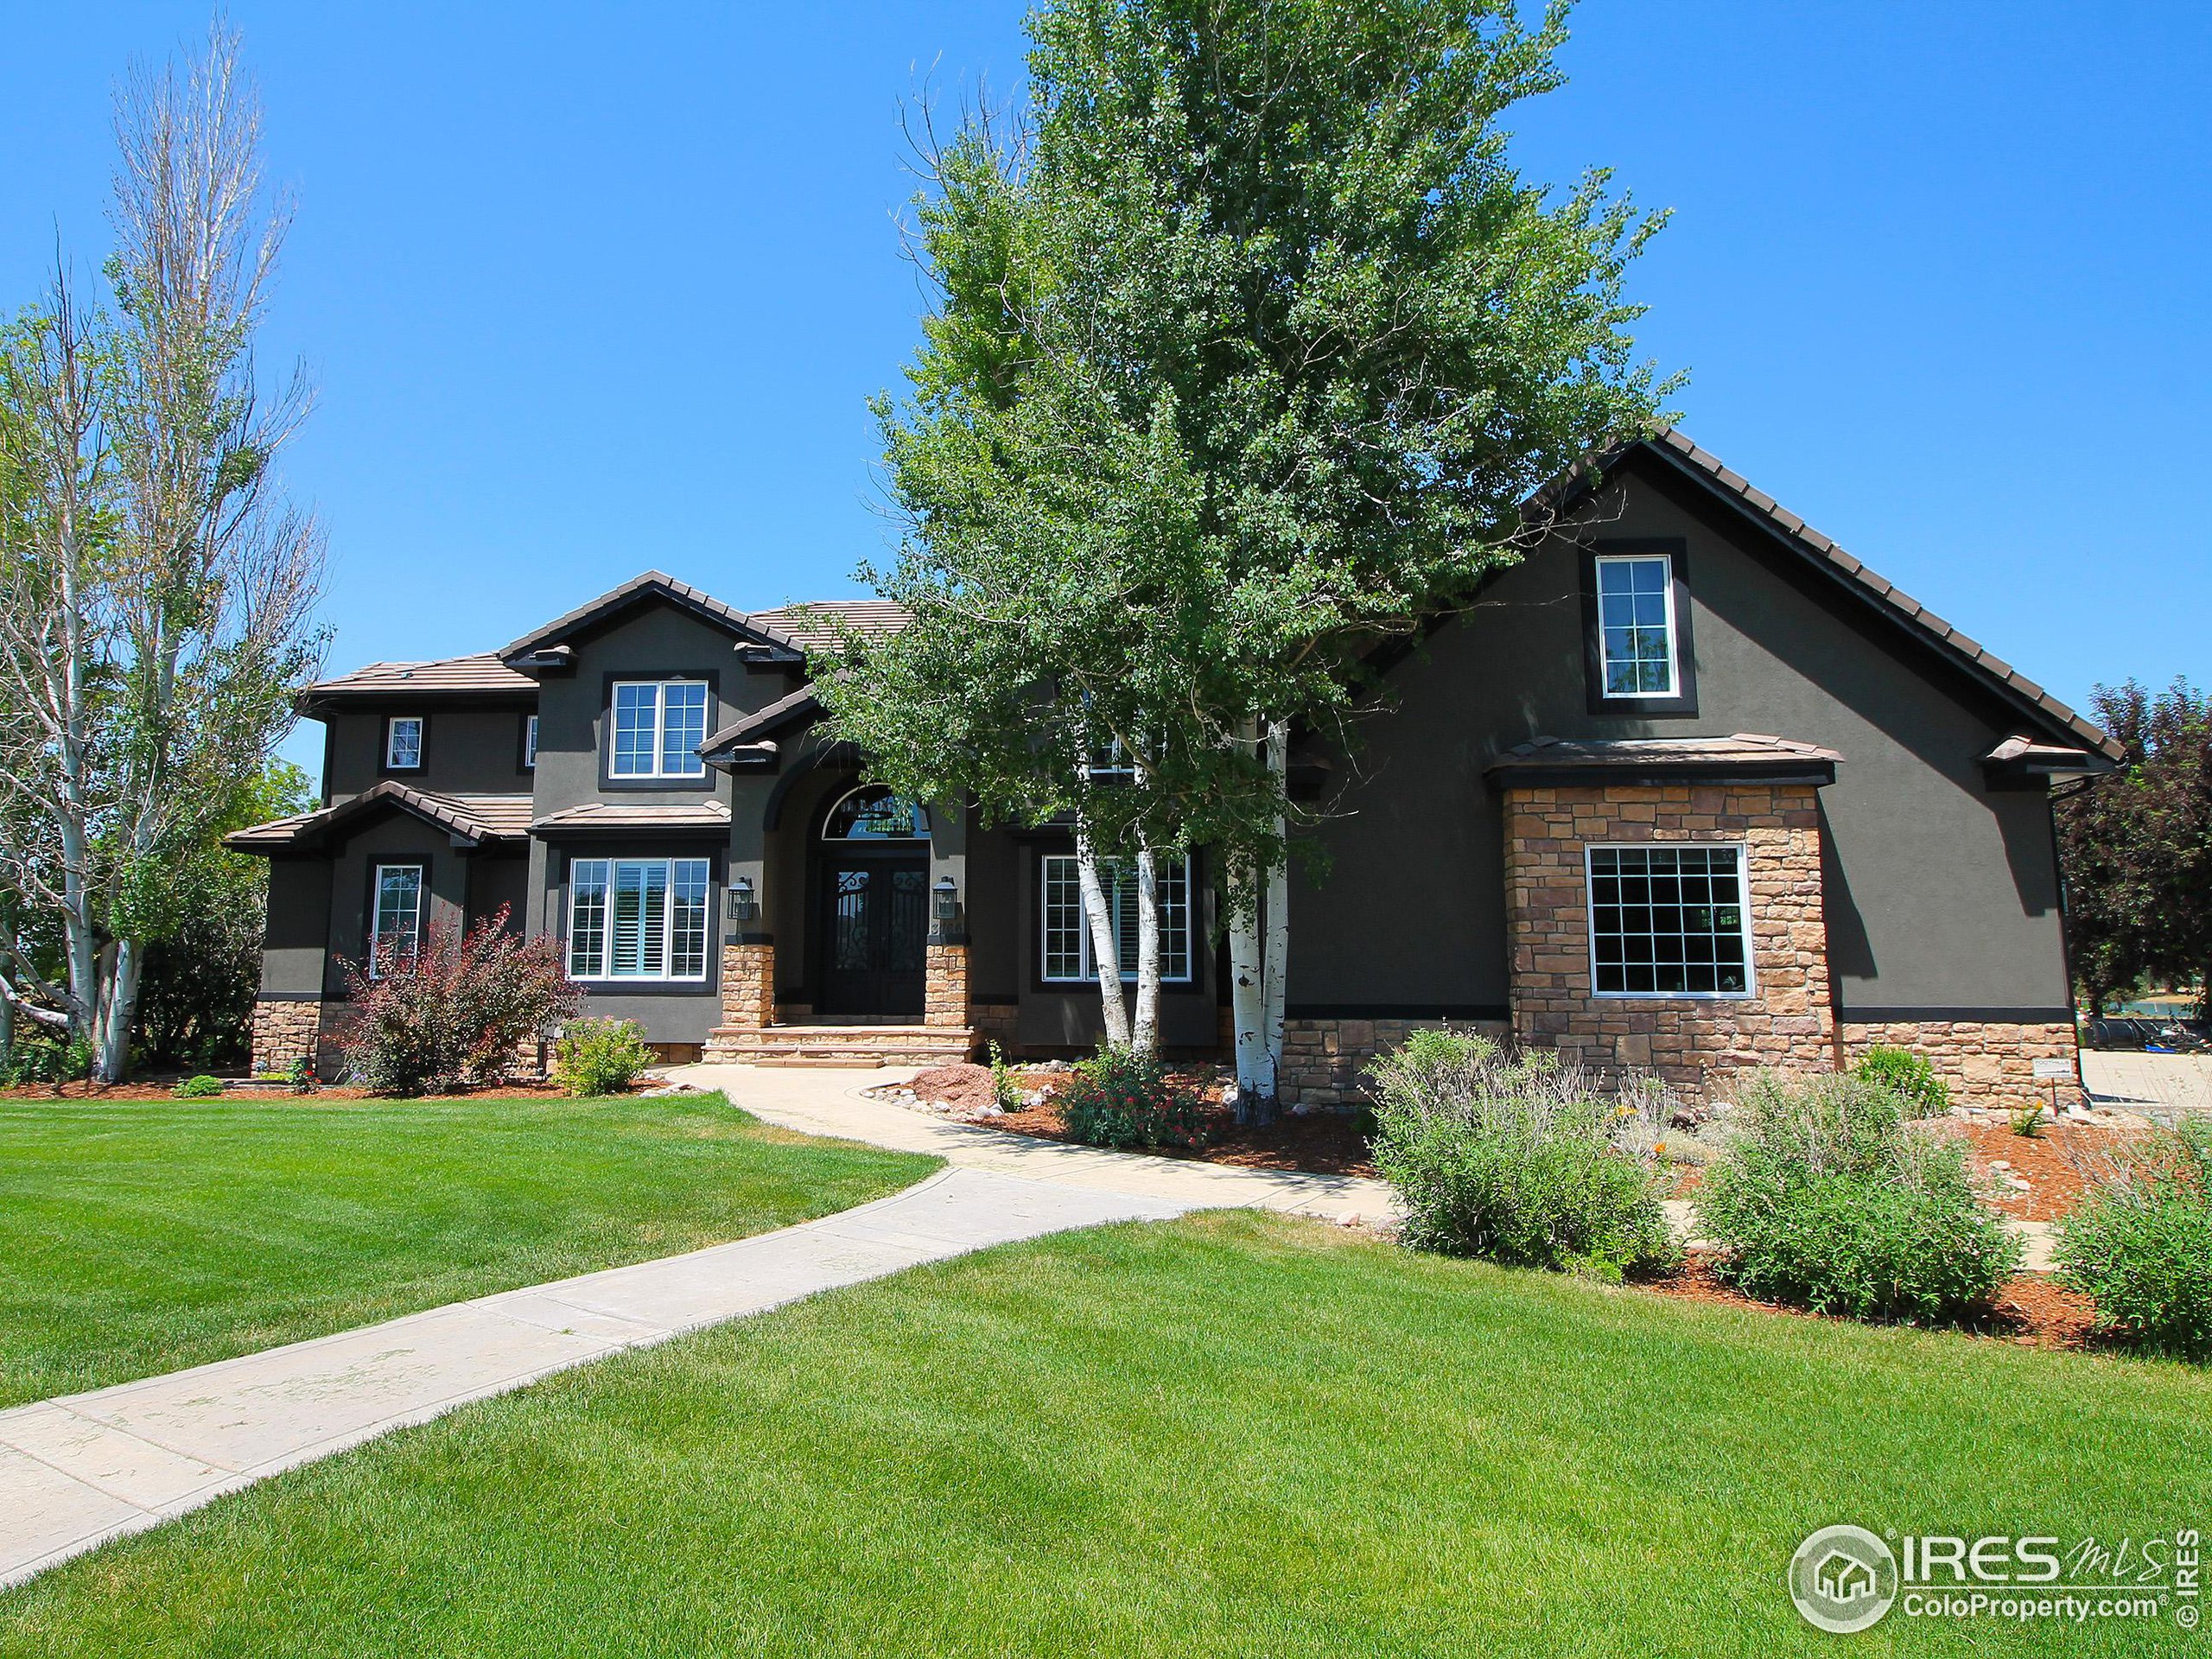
(1233, 1434)
(140, 1236)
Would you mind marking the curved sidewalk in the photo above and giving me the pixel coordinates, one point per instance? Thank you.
(78, 1469)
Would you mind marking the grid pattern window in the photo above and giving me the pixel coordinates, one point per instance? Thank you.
(396, 918)
(1067, 953)
(530, 742)
(638, 919)
(1669, 921)
(1636, 623)
(658, 727)
(403, 743)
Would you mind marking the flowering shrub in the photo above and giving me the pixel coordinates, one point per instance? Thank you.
(600, 1056)
(452, 1014)
(1825, 1198)
(1119, 1097)
(2139, 1246)
(1521, 1159)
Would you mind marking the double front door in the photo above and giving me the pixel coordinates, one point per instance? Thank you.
(874, 931)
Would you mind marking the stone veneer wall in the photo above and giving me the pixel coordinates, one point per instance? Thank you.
(283, 1031)
(1324, 1060)
(945, 996)
(1986, 1063)
(1789, 1020)
(996, 1022)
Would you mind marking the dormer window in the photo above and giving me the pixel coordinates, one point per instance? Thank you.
(403, 743)
(657, 727)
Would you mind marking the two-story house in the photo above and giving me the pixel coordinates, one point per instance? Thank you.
(1688, 787)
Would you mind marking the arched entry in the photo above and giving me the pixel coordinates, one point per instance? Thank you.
(875, 864)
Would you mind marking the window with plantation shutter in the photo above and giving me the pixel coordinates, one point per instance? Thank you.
(1067, 956)
(638, 919)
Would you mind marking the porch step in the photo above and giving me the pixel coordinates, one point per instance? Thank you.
(840, 1045)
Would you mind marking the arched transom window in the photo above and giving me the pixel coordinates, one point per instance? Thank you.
(871, 812)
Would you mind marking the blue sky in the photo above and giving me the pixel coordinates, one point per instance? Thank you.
(593, 289)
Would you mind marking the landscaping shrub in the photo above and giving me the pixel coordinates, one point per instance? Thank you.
(1825, 1198)
(452, 1015)
(48, 1060)
(200, 1087)
(1920, 1092)
(600, 1056)
(2139, 1245)
(1523, 1159)
(1119, 1097)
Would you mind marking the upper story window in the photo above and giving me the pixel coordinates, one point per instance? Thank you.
(657, 728)
(1636, 626)
(395, 915)
(1669, 921)
(403, 743)
(1067, 943)
(530, 742)
(1111, 759)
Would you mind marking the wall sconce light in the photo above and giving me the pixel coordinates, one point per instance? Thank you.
(948, 899)
(742, 907)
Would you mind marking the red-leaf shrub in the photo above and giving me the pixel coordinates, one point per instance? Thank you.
(451, 1013)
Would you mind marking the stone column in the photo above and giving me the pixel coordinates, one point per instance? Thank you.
(945, 1000)
(748, 985)
(285, 1031)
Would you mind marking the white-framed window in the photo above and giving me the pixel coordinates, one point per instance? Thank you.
(1065, 945)
(656, 728)
(530, 742)
(638, 919)
(1636, 626)
(1669, 919)
(403, 743)
(395, 913)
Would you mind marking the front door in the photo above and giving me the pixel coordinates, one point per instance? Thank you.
(875, 926)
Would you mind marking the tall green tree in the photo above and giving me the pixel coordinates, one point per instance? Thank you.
(156, 588)
(1279, 248)
(2136, 849)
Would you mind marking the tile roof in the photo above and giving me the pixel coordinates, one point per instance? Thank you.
(618, 815)
(482, 671)
(1741, 755)
(810, 624)
(789, 710)
(1676, 448)
(475, 817)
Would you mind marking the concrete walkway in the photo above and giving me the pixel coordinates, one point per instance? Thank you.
(81, 1468)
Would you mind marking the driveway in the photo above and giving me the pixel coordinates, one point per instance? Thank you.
(2157, 1085)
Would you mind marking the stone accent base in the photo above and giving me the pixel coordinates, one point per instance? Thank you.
(944, 999)
(283, 1033)
(1787, 1021)
(1987, 1064)
(748, 985)
(995, 1022)
(1325, 1061)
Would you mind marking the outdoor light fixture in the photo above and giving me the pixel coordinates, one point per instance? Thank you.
(741, 908)
(948, 899)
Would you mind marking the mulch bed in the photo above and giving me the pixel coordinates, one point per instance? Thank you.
(1318, 1143)
(2057, 1165)
(2029, 1309)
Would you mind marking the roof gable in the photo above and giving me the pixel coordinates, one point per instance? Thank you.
(653, 586)
(1682, 459)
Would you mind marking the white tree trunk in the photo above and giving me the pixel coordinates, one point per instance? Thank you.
(1240, 901)
(1105, 949)
(112, 1060)
(1144, 1034)
(1276, 940)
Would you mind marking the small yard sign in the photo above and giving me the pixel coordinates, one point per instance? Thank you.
(2054, 1068)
